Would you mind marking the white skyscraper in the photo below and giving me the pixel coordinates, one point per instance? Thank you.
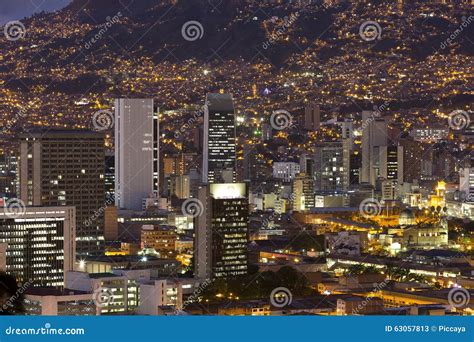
(466, 183)
(136, 152)
(374, 137)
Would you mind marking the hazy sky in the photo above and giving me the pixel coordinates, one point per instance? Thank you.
(17, 9)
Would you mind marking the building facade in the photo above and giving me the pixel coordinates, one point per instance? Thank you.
(136, 152)
(221, 234)
(66, 168)
(40, 244)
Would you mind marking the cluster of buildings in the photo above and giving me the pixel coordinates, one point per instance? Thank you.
(145, 231)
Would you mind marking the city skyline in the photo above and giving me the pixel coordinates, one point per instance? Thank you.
(243, 158)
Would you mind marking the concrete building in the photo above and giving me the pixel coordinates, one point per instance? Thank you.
(66, 168)
(285, 171)
(374, 137)
(136, 152)
(39, 245)
(221, 234)
(303, 193)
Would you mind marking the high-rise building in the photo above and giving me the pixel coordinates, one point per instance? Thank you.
(417, 158)
(136, 152)
(355, 161)
(8, 174)
(391, 163)
(221, 231)
(329, 167)
(466, 183)
(285, 171)
(40, 244)
(303, 193)
(109, 175)
(219, 155)
(312, 117)
(66, 168)
(374, 136)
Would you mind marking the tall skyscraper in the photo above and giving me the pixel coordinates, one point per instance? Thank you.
(312, 117)
(40, 244)
(66, 168)
(219, 155)
(374, 136)
(136, 152)
(330, 174)
(221, 233)
(391, 163)
(466, 183)
(109, 174)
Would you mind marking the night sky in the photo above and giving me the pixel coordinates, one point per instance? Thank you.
(18, 9)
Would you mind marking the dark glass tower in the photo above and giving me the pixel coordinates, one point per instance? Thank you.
(219, 160)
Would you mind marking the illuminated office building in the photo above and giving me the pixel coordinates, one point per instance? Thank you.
(391, 163)
(330, 173)
(66, 168)
(40, 244)
(136, 152)
(219, 159)
(303, 193)
(221, 234)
